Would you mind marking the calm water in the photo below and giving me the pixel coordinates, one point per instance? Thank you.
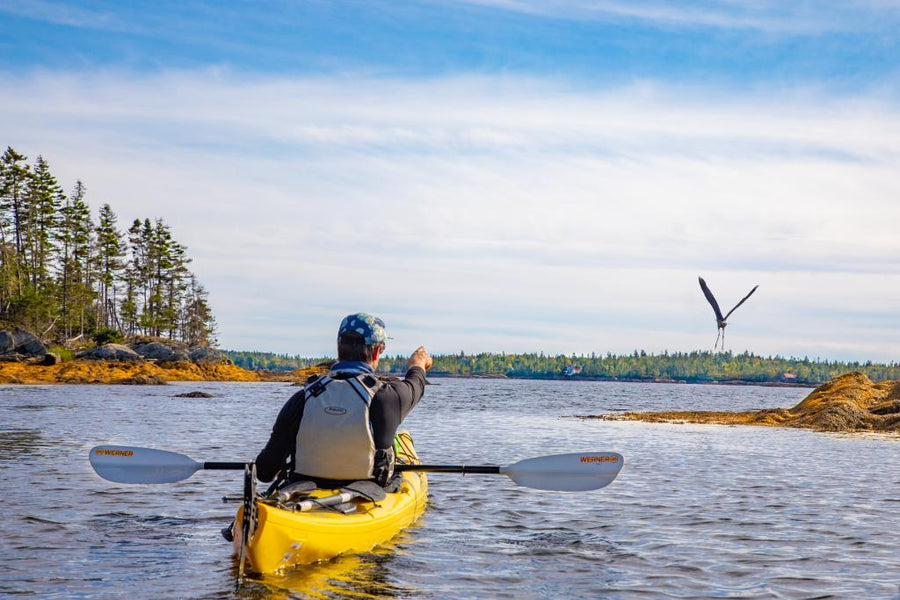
(698, 511)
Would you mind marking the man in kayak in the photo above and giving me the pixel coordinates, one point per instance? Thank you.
(341, 426)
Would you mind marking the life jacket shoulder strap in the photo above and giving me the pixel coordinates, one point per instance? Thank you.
(366, 386)
(316, 386)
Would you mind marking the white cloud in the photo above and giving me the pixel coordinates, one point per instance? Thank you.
(769, 16)
(495, 213)
(61, 13)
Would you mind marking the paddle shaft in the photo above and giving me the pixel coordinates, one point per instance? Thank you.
(224, 466)
(489, 469)
(484, 469)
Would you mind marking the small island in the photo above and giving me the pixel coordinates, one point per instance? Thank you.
(850, 402)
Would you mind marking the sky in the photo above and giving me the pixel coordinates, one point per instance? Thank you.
(491, 175)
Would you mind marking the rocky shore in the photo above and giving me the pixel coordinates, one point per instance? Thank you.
(132, 372)
(25, 359)
(850, 402)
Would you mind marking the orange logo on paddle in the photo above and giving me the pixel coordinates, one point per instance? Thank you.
(590, 459)
(107, 452)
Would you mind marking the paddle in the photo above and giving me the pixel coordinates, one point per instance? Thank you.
(561, 472)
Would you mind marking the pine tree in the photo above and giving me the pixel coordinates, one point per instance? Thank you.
(198, 323)
(12, 193)
(35, 305)
(176, 285)
(109, 261)
(74, 245)
(66, 237)
(14, 178)
(82, 254)
(43, 202)
(135, 298)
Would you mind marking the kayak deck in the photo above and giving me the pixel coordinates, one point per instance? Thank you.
(284, 538)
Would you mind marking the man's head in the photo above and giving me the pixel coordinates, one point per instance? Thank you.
(361, 337)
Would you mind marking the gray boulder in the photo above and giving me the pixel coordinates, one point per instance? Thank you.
(21, 342)
(110, 352)
(161, 352)
(206, 355)
(6, 342)
(28, 343)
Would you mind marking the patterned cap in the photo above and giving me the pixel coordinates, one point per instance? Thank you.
(369, 327)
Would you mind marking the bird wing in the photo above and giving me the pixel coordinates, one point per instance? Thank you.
(742, 301)
(712, 299)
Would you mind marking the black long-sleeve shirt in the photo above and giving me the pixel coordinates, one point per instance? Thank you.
(389, 407)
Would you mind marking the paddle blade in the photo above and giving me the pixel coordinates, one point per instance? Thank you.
(129, 464)
(576, 472)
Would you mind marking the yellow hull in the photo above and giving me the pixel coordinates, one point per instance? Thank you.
(284, 538)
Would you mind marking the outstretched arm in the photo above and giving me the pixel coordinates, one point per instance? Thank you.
(396, 399)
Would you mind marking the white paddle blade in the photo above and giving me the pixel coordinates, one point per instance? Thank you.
(577, 472)
(128, 464)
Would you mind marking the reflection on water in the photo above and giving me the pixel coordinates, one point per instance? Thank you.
(697, 511)
(356, 576)
(14, 443)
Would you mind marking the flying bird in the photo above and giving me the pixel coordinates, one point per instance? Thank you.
(720, 320)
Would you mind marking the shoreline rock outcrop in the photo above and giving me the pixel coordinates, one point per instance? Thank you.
(117, 372)
(848, 403)
(24, 359)
(162, 352)
(113, 352)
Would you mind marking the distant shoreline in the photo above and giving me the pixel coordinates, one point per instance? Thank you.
(151, 372)
(624, 380)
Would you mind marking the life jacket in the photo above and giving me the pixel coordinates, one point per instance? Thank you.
(335, 440)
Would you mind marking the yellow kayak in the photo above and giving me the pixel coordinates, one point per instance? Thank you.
(285, 538)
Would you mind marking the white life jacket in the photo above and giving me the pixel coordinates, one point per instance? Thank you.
(334, 440)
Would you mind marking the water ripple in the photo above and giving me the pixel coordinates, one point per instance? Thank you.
(697, 512)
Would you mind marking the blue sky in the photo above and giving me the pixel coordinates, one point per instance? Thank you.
(495, 175)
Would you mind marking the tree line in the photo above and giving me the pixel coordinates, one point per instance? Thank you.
(66, 276)
(689, 367)
(271, 361)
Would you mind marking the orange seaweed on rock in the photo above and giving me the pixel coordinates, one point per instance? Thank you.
(304, 373)
(849, 402)
(133, 372)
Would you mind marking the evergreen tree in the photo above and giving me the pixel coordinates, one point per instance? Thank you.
(177, 284)
(109, 261)
(74, 239)
(44, 199)
(14, 178)
(198, 323)
(82, 231)
(135, 276)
